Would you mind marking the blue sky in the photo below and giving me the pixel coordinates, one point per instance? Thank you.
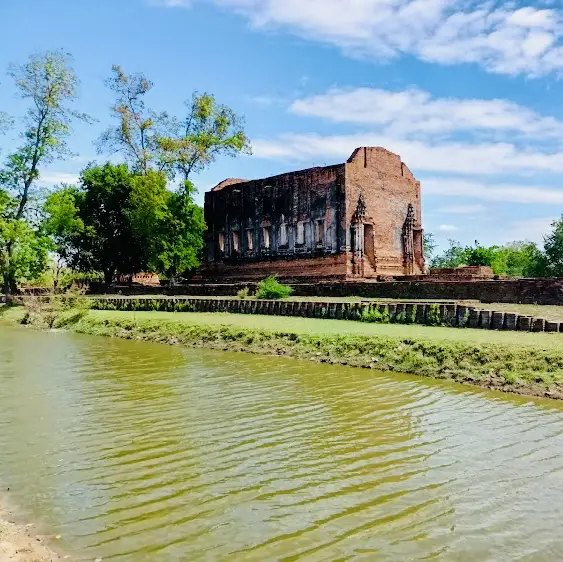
(469, 93)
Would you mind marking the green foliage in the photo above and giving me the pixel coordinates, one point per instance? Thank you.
(56, 310)
(179, 240)
(243, 293)
(553, 249)
(138, 128)
(375, 314)
(516, 259)
(118, 222)
(208, 131)
(401, 318)
(159, 142)
(429, 245)
(47, 83)
(105, 241)
(23, 249)
(5, 122)
(453, 256)
(463, 321)
(271, 288)
(480, 256)
(184, 307)
(64, 226)
(372, 315)
(433, 317)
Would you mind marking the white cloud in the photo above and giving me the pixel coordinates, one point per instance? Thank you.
(267, 101)
(511, 193)
(463, 209)
(499, 137)
(447, 228)
(533, 229)
(451, 158)
(414, 111)
(501, 37)
(447, 156)
(57, 178)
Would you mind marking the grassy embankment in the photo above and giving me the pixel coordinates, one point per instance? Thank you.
(525, 363)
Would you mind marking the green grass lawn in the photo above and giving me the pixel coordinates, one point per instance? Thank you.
(344, 327)
(549, 312)
(11, 314)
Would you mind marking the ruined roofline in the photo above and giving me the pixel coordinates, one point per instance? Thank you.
(229, 182)
(377, 148)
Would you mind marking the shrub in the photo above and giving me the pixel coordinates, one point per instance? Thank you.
(385, 316)
(271, 288)
(375, 314)
(433, 316)
(47, 310)
(371, 315)
(243, 293)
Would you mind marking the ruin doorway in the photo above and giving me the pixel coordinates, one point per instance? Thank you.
(369, 244)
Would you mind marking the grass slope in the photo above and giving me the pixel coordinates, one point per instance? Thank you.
(508, 361)
(345, 327)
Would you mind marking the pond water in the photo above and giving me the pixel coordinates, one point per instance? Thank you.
(138, 452)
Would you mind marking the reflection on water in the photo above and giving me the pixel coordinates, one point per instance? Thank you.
(141, 452)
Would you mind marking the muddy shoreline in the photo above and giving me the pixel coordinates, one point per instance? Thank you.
(21, 543)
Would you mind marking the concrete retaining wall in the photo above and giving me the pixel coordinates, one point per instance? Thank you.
(405, 313)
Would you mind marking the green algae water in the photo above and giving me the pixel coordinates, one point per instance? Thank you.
(141, 452)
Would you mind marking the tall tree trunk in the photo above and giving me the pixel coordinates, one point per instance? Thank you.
(10, 286)
(108, 276)
(6, 290)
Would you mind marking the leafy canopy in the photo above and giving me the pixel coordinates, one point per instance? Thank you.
(118, 222)
(159, 142)
(49, 85)
(516, 259)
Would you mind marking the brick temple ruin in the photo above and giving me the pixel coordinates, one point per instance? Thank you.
(357, 220)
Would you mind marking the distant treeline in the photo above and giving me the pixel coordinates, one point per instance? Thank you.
(516, 259)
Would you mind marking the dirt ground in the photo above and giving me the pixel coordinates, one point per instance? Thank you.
(22, 544)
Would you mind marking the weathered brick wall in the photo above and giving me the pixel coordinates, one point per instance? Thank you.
(465, 272)
(388, 188)
(247, 208)
(525, 291)
(285, 204)
(332, 267)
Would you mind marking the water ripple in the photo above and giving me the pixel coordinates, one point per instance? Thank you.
(142, 452)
